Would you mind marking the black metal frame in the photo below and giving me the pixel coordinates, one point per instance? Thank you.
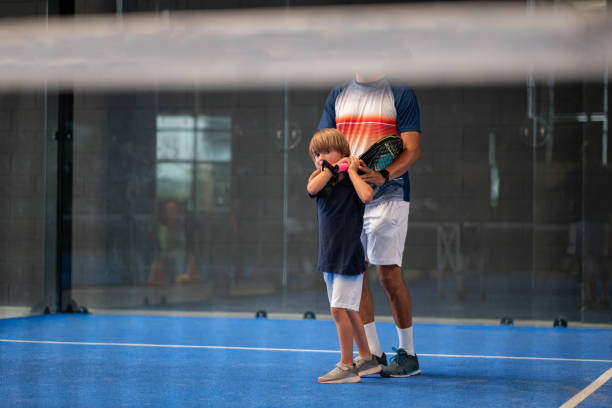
(64, 138)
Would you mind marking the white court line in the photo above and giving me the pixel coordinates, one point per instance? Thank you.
(79, 343)
(578, 398)
(581, 360)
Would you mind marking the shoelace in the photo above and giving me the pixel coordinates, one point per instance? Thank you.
(400, 356)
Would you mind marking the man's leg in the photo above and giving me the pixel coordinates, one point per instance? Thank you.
(390, 278)
(366, 306)
(405, 363)
(359, 335)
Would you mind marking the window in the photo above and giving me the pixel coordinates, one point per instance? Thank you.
(194, 154)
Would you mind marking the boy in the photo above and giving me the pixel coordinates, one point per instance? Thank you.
(341, 202)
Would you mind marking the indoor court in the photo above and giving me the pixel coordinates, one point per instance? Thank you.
(113, 360)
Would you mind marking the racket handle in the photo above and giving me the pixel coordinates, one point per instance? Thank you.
(337, 168)
(340, 167)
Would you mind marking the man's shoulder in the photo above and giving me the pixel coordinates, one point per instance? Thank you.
(401, 88)
(339, 88)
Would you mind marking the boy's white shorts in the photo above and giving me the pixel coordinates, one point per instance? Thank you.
(385, 225)
(344, 291)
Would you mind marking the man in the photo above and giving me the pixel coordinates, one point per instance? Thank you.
(365, 110)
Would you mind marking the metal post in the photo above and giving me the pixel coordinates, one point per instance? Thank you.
(285, 178)
(604, 136)
(64, 137)
(285, 184)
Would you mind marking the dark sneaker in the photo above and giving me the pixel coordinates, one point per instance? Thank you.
(401, 365)
(367, 366)
(382, 359)
(342, 374)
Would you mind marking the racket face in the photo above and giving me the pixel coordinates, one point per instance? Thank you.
(382, 161)
(383, 152)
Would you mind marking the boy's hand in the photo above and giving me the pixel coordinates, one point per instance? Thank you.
(353, 163)
(343, 160)
(363, 189)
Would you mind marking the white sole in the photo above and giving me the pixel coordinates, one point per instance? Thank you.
(406, 375)
(343, 381)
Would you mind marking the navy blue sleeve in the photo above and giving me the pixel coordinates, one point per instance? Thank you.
(407, 107)
(328, 118)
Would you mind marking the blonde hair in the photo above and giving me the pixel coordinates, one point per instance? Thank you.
(327, 140)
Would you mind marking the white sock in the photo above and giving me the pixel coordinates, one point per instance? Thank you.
(405, 340)
(372, 336)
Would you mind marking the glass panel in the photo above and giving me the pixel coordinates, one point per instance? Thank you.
(214, 146)
(175, 145)
(24, 146)
(175, 122)
(214, 122)
(174, 181)
(27, 193)
(591, 236)
(213, 192)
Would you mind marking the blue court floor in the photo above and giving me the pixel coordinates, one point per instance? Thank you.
(163, 361)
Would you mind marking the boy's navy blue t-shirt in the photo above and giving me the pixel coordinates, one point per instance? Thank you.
(340, 214)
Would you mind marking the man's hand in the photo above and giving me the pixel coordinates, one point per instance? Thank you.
(371, 176)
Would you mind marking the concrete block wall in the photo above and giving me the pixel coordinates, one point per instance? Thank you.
(115, 176)
(22, 178)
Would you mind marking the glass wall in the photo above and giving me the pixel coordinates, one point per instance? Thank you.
(195, 201)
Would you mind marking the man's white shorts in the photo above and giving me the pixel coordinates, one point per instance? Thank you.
(344, 291)
(385, 225)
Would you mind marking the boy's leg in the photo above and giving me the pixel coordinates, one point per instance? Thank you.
(345, 334)
(337, 301)
(359, 334)
(345, 371)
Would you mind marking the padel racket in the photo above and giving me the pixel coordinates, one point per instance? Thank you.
(383, 152)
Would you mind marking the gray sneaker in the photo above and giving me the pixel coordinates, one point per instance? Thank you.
(367, 366)
(340, 375)
(401, 365)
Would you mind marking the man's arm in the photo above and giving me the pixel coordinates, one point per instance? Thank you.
(411, 153)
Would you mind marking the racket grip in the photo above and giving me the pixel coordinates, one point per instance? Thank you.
(342, 167)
